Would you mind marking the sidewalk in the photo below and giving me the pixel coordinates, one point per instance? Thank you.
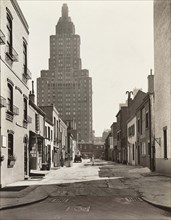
(153, 188)
(29, 195)
(156, 190)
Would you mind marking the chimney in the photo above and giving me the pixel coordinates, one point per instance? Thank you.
(150, 82)
(31, 95)
(129, 100)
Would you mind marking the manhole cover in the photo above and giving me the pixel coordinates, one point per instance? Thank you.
(78, 208)
(133, 199)
(59, 200)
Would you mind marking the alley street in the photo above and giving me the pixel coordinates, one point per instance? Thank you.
(103, 191)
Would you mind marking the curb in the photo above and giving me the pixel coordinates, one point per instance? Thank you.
(166, 208)
(20, 194)
(23, 204)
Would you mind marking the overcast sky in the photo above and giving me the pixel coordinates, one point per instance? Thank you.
(116, 47)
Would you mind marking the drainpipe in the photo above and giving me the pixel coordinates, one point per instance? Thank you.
(150, 121)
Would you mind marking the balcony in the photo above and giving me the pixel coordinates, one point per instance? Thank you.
(2, 37)
(9, 116)
(26, 73)
(2, 102)
(11, 54)
(11, 111)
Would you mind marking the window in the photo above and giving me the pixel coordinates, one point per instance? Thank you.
(133, 155)
(118, 136)
(142, 120)
(131, 130)
(10, 146)
(146, 120)
(25, 57)
(49, 133)
(25, 109)
(54, 131)
(143, 149)
(37, 122)
(138, 126)
(45, 131)
(165, 141)
(9, 34)
(10, 98)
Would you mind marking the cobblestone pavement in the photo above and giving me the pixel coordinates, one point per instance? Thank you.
(92, 200)
(110, 189)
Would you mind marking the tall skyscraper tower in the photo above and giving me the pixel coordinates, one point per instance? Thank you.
(65, 84)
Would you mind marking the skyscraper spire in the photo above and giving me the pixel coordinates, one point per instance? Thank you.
(64, 11)
(65, 25)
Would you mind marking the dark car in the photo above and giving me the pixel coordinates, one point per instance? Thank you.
(77, 158)
(85, 156)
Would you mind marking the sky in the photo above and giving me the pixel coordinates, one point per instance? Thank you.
(116, 47)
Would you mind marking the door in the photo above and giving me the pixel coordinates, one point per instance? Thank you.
(49, 156)
(138, 155)
(153, 158)
(25, 157)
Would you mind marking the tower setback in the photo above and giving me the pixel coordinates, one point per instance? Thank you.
(65, 84)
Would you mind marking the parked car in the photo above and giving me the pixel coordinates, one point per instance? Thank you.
(77, 158)
(85, 156)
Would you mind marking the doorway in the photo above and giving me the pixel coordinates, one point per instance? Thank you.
(138, 148)
(25, 156)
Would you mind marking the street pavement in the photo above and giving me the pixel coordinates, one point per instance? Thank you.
(82, 189)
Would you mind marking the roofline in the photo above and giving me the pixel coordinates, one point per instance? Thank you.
(145, 99)
(37, 108)
(48, 121)
(131, 118)
(50, 106)
(20, 14)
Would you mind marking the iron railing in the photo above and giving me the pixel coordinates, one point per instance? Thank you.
(26, 73)
(9, 116)
(11, 53)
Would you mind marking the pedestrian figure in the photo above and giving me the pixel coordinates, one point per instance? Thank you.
(92, 159)
(62, 161)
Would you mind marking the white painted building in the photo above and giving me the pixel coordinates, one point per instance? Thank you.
(63, 139)
(14, 90)
(48, 147)
(162, 85)
(132, 137)
(36, 135)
